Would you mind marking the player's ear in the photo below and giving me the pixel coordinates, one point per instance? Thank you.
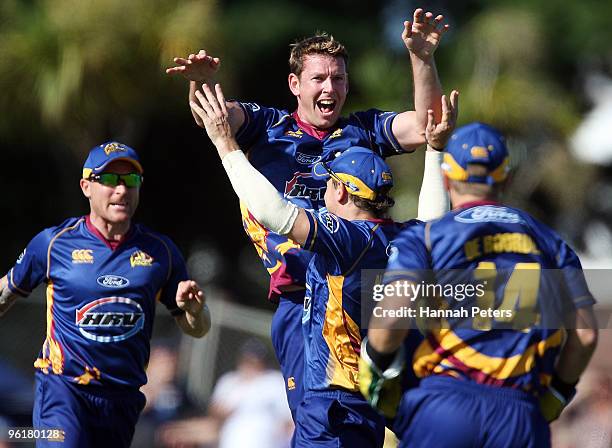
(294, 84)
(86, 188)
(342, 195)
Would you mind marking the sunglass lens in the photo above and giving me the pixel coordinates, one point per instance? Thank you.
(132, 180)
(109, 179)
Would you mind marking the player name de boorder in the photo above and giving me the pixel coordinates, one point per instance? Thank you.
(437, 313)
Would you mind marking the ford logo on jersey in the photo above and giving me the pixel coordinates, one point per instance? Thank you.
(489, 213)
(112, 281)
(110, 319)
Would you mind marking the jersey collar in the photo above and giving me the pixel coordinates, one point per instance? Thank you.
(475, 204)
(111, 244)
(310, 129)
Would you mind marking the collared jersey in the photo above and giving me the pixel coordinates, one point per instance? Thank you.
(284, 153)
(100, 302)
(332, 305)
(525, 269)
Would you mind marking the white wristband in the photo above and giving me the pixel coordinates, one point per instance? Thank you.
(433, 199)
(261, 198)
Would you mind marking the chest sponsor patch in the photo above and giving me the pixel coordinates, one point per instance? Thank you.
(297, 188)
(306, 159)
(112, 281)
(489, 213)
(110, 319)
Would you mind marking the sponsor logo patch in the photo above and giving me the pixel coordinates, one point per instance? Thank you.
(80, 256)
(489, 213)
(110, 319)
(112, 281)
(330, 222)
(20, 257)
(306, 159)
(296, 189)
(291, 383)
(140, 258)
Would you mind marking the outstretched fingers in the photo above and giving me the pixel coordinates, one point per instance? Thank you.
(212, 100)
(221, 99)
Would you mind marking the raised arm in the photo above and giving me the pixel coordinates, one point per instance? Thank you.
(199, 69)
(421, 37)
(7, 298)
(265, 203)
(433, 198)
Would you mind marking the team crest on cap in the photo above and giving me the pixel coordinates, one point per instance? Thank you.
(114, 147)
(141, 258)
(479, 152)
(80, 256)
(386, 176)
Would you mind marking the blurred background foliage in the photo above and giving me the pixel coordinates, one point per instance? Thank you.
(75, 73)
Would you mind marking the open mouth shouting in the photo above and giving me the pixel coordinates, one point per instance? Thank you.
(326, 106)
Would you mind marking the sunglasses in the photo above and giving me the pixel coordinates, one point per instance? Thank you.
(334, 176)
(131, 180)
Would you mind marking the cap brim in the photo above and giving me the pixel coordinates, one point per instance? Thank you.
(319, 172)
(134, 162)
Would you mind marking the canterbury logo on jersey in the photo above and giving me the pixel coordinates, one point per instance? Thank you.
(296, 189)
(82, 256)
(140, 258)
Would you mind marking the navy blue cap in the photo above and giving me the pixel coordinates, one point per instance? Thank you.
(476, 143)
(100, 156)
(361, 170)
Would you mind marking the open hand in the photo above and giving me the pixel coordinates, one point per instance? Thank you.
(422, 36)
(198, 67)
(189, 297)
(211, 109)
(437, 134)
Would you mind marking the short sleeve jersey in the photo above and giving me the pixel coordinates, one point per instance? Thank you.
(284, 153)
(331, 321)
(530, 272)
(100, 302)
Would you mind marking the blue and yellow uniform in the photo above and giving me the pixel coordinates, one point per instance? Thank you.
(284, 150)
(333, 410)
(100, 307)
(483, 373)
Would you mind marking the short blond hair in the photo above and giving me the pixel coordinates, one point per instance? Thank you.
(320, 43)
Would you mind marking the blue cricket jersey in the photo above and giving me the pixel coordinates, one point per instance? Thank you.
(532, 275)
(332, 305)
(284, 153)
(100, 302)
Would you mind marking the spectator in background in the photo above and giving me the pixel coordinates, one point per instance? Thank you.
(166, 399)
(248, 408)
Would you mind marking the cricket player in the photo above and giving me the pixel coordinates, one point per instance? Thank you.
(104, 275)
(284, 145)
(499, 364)
(352, 234)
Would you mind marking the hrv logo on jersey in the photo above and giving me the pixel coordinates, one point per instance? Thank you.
(295, 188)
(110, 319)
